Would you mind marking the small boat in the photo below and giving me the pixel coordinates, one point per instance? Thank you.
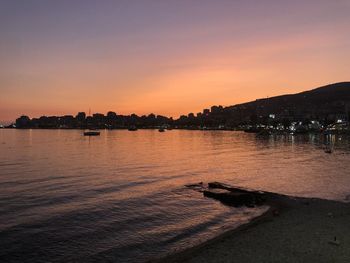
(91, 130)
(161, 130)
(91, 133)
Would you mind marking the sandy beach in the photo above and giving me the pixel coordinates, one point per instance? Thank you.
(293, 230)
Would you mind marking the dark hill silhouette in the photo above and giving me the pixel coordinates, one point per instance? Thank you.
(328, 101)
(319, 96)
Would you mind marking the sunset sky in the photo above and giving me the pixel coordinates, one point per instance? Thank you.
(168, 57)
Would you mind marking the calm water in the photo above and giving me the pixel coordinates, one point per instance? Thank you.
(120, 197)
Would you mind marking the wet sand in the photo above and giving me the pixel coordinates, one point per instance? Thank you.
(292, 230)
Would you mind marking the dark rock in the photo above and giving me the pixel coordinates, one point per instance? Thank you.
(234, 198)
(217, 185)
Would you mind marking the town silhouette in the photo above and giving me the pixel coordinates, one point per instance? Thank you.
(324, 108)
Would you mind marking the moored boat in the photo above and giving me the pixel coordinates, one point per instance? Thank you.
(92, 133)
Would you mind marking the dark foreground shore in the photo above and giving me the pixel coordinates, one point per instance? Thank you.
(292, 230)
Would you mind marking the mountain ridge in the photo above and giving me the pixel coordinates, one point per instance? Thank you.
(334, 87)
(320, 103)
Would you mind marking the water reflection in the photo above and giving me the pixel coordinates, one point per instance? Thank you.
(328, 141)
(95, 198)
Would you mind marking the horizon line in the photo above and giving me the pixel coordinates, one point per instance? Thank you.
(7, 122)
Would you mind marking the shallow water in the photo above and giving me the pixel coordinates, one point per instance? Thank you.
(120, 197)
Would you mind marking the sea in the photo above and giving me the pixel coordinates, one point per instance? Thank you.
(122, 196)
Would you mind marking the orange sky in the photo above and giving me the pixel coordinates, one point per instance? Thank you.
(167, 58)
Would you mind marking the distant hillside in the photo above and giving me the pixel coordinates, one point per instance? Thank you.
(329, 101)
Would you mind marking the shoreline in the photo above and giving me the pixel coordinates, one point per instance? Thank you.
(293, 229)
(262, 134)
(183, 255)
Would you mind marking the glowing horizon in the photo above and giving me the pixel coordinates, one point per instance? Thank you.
(168, 58)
